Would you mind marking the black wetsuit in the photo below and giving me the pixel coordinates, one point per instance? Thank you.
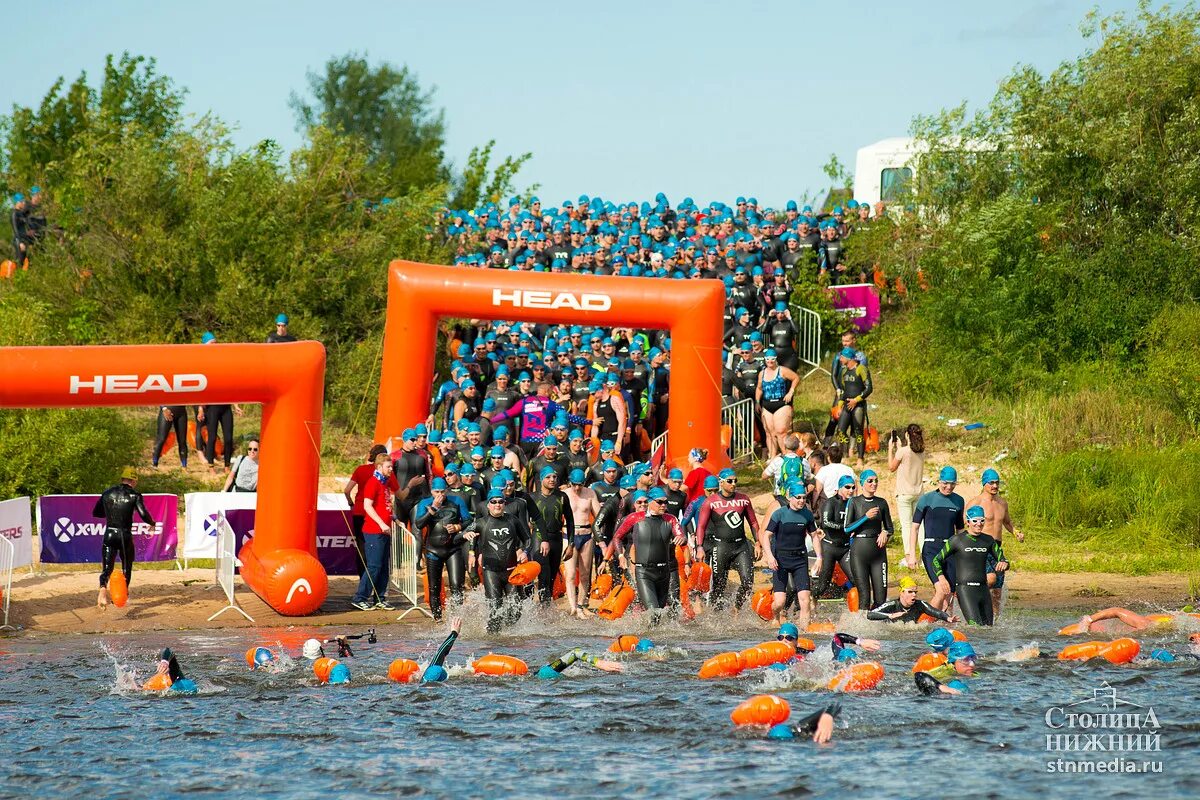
(868, 561)
(606, 523)
(852, 422)
(497, 544)
(556, 523)
(179, 425)
(911, 614)
(807, 726)
(560, 465)
(781, 336)
(970, 553)
(570, 657)
(835, 545)
(722, 520)
(676, 502)
(214, 415)
(117, 505)
(442, 548)
(656, 571)
(410, 464)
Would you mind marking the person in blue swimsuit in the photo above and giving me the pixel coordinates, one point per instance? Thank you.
(776, 385)
(783, 542)
(942, 513)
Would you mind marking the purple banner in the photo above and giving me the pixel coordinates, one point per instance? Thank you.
(335, 538)
(71, 535)
(860, 302)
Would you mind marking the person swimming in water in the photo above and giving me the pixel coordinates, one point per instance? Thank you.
(949, 678)
(907, 607)
(818, 725)
(1090, 622)
(577, 656)
(436, 671)
(843, 653)
(169, 675)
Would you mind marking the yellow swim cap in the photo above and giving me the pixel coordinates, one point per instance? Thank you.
(129, 474)
(907, 583)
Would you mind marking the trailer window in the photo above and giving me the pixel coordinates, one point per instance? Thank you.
(894, 183)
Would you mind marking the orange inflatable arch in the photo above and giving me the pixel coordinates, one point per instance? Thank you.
(280, 563)
(420, 294)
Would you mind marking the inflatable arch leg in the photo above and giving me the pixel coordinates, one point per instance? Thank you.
(280, 563)
(420, 294)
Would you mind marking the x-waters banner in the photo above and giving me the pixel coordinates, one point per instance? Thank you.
(335, 538)
(70, 534)
(860, 302)
(17, 527)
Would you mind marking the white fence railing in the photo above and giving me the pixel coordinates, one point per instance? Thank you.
(227, 562)
(404, 570)
(7, 553)
(809, 351)
(739, 417)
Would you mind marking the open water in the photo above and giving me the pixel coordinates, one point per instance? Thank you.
(72, 723)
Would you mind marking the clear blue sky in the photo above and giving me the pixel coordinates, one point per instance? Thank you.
(618, 99)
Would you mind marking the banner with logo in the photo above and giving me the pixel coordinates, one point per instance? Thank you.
(860, 302)
(17, 527)
(70, 534)
(335, 538)
(200, 516)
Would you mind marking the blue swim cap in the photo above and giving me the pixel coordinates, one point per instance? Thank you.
(408, 434)
(628, 482)
(546, 473)
(948, 474)
(339, 674)
(866, 475)
(610, 464)
(795, 489)
(789, 629)
(434, 673)
(657, 493)
(207, 337)
(675, 475)
(711, 482)
(577, 476)
(262, 657)
(640, 495)
(770, 353)
(643, 646)
(1159, 654)
(960, 650)
(846, 654)
(549, 441)
(976, 512)
(990, 475)
(477, 452)
(495, 493)
(548, 672)
(282, 319)
(845, 481)
(438, 484)
(778, 666)
(781, 731)
(466, 470)
(726, 474)
(848, 352)
(959, 684)
(939, 639)
(185, 686)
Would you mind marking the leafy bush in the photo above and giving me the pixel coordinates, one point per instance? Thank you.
(64, 451)
(1172, 366)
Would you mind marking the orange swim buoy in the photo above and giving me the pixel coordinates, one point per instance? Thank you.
(402, 669)
(959, 636)
(322, 667)
(560, 586)
(929, 661)
(761, 603)
(500, 665)
(602, 586)
(722, 665)
(776, 652)
(701, 578)
(616, 603)
(525, 574)
(806, 644)
(118, 589)
(857, 678)
(441, 594)
(852, 599)
(762, 709)
(159, 682)
(751, 658)
(1080, 652)
(820, 627)
(839, 575)
(925, 618)
(1121, 651)
(624, 644)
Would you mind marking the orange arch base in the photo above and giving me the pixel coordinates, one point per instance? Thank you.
(280, 563)
(420, 294)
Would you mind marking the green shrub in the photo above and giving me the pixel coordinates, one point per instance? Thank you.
(1172, 366)
(64, 451)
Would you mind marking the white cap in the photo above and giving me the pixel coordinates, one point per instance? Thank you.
(312, 649)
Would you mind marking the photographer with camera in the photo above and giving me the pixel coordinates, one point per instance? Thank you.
(906, 458)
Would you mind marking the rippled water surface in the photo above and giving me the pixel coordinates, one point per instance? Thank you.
(72, 725)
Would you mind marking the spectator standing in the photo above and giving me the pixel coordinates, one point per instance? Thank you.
(377, 508)
(356, 484)
(906, 458)
(244, 475)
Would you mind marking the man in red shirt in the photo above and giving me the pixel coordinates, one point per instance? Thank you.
(358, 480)
(377, 495)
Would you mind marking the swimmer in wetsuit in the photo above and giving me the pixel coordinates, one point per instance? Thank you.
(577, 656)
(436, 671)
(818, 725)
(835, 542)
(783, 542)
(117, 505)
(168, 667)
(440, 519)
(869, 523)
(723, 520)
(970, 551)
(501, 540)
(907, 607)
(949, 677)
(554, 533)
(841, 652)
(941, 512)
(654, 536)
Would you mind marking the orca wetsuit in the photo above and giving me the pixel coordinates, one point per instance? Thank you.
(868, 561)
(881, 613)
(117, 505)
(970, 555)
(835, 544)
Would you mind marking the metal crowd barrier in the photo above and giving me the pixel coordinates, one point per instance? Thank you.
(7, 553)
(227, 562)
(808, 345)
(739, 417)
(404, 570)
